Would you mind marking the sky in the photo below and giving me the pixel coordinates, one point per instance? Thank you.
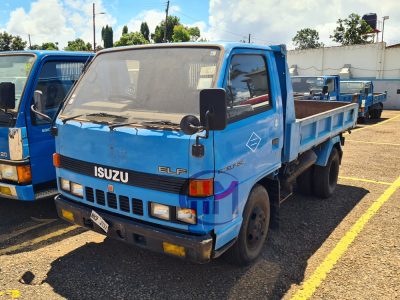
(268, 21)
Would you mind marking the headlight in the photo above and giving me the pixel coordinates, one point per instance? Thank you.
(65, 184)
(9, 172)
(160, 211)
(186, 215)
(76, 189)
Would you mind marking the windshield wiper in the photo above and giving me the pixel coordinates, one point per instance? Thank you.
(102, 114)
(70, 118)
(156, 122)
(107, 115)
(160, 122)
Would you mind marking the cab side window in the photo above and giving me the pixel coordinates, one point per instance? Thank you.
(247, 86)
(55, 81)
(330, 82)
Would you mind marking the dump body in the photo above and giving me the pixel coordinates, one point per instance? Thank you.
(26, 146)
(133, 174)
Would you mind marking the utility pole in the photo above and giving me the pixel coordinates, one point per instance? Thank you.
(94, 28)
(383, 25)
(249, 37)
(166, 19)
(30, 45)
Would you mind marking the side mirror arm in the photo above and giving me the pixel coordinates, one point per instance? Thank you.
(44, 116)
(197, 148)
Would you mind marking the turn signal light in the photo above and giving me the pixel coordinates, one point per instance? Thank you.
(201, 187)
(24, 174)
(56, 160)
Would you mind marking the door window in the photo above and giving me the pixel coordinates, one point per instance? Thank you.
(55, 81)
(330, 82)
(247, 86)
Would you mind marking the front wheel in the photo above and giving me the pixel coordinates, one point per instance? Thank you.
(254, 229)
(325, 178)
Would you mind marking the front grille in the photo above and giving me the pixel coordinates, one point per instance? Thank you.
(89, 194)
(128, 205)
(112, 200)
(157, 182)
(137, 207)
(100, 199)
(124, 203)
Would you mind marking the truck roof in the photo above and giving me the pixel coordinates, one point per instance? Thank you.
(360, 81)
(42, 53)
(227, 46)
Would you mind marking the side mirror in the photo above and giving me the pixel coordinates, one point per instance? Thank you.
(366, 91)
(213, 109)
(7, 95)
(325, 89)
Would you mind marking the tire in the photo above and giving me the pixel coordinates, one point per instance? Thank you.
(361, 120)
(325, 178)
(254, 229)
(305, 182)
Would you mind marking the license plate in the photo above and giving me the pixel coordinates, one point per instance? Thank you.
(95, 217)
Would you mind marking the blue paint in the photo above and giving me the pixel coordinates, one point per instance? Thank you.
(37, 142)
(246, 151)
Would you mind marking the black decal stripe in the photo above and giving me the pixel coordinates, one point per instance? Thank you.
(170, 184)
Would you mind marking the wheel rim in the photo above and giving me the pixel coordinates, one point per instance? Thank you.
(256, 228)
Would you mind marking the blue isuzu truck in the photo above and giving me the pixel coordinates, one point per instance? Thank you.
(331, 88)
(26, 146)
(189, 149)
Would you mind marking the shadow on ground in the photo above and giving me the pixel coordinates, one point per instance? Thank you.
(22, 221)
(369, 122)
(115, 270)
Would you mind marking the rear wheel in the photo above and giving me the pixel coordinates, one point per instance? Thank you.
(254, 228)
(305, 182)
(325, 178)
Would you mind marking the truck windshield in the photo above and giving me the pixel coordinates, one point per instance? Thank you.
(16, 69)
(144, 84)
(307, 84)
(351, 87)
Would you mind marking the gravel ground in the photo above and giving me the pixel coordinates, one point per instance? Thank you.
(78, 264)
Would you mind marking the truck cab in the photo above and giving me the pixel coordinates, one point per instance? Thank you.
(370, 102)
(188, 149)
(26, 146)
(324, 87)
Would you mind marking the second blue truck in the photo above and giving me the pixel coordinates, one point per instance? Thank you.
(26, 145)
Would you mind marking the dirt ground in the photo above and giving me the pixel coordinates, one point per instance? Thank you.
(320, 251)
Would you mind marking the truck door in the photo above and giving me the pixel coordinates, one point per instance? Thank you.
(55, 78)
(250, 146)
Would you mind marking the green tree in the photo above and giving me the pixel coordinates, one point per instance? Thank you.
(352, 31)
(181, 34)
(49, 46)
(9, 42)
(158, 35)
(107, 36)
(307, 38)
(78, 45)
(125, 30)
(194, 33)
(144, 29)
(132, 38)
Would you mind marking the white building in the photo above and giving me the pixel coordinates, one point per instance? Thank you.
(374, 62)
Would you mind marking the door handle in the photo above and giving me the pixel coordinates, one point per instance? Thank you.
(275, 141)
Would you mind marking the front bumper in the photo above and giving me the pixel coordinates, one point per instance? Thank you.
(25, 192)
(197, 248)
